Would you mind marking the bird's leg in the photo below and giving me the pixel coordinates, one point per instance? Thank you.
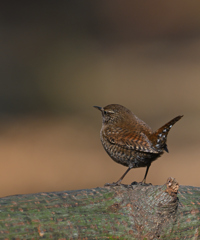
(144, 180)
(119, 181)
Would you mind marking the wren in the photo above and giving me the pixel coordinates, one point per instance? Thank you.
(130, 141)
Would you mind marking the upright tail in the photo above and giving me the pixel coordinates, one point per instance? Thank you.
(160, 136)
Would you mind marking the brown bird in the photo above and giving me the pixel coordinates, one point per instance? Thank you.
(130, 141)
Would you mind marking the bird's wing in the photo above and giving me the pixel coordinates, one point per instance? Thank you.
(130, 140)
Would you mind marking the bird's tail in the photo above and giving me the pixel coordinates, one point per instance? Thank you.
(160, 136)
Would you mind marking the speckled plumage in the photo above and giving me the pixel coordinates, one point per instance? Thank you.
(130, 141)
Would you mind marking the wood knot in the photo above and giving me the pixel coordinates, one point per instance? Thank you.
(172, 186)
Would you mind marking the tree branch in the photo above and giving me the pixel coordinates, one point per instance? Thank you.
(121, 212)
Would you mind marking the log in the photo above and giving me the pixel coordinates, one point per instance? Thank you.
(122, 212)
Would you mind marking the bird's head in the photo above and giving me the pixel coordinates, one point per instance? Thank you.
(114, 113)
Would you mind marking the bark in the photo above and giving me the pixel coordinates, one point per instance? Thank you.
(121, 212)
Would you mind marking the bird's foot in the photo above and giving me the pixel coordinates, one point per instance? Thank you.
(144, 183)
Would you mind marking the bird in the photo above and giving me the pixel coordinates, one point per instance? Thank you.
(130, 141)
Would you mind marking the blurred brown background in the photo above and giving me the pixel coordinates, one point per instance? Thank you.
(59, 58)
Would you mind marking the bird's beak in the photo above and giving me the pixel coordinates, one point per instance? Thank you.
(99, 108)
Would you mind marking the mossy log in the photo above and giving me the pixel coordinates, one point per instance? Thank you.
(120, 212)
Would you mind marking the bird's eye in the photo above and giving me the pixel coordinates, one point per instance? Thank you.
(105, 112)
